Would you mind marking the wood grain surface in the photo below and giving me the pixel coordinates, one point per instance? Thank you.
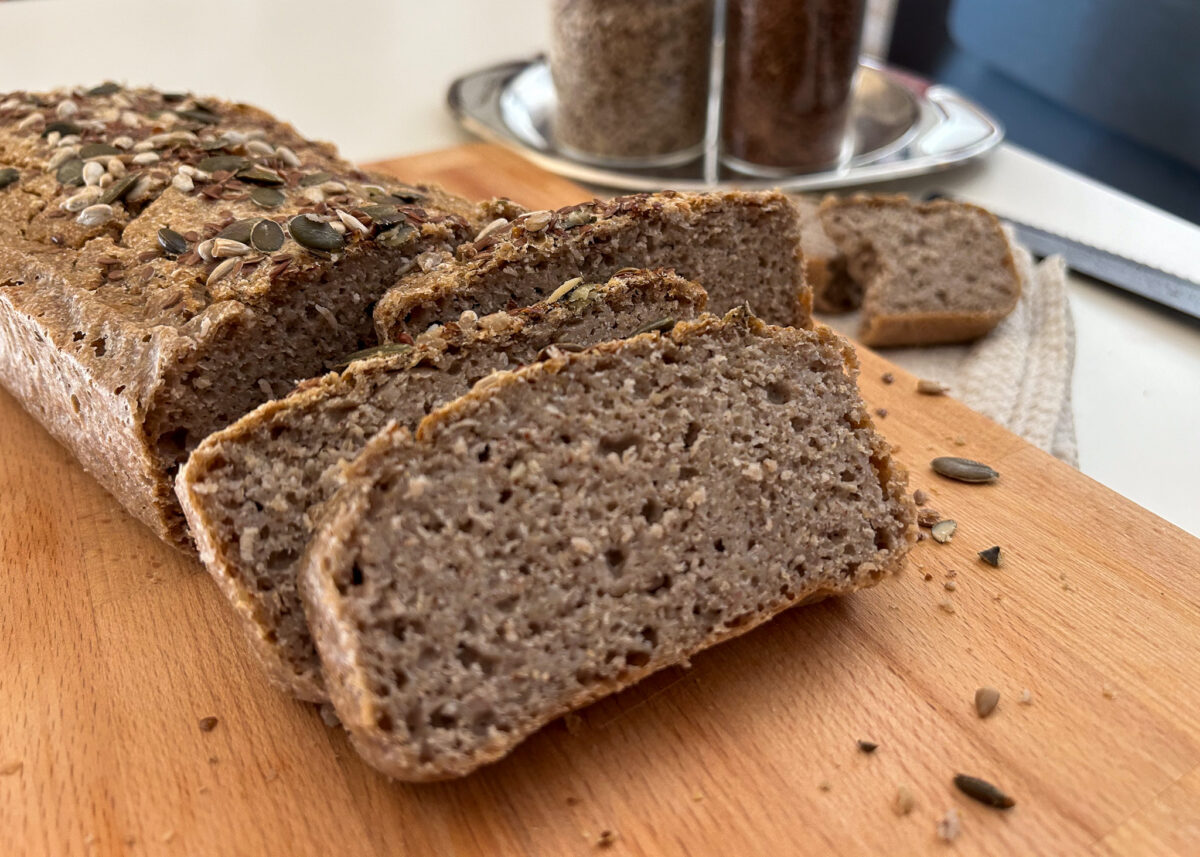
(115, 648)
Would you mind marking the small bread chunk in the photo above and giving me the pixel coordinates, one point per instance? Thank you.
(251, 490)
(931, 273)
(743, 248)
(565, 530)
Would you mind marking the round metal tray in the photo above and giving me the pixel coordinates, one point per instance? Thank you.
(901, 127)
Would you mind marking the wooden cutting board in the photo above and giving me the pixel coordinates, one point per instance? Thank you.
(115, 647)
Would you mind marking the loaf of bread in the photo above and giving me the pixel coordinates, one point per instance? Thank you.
(250, 491)
(930, 273)
(566, 529)
(168, 263)
(743, 248)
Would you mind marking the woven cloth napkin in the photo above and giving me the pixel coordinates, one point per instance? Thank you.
(1019, 374)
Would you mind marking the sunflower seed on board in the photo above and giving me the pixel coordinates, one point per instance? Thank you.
(943, 531)
(80, 201)
(564, 289)
(351, 222)
(963, 469)
(223, 270)
(287, 156)
(8, 176)
(95, 215)
(267, 197)
(223, 248)
(986, 700)
(267, 236)
(983, 791)
(313, 234)
(171, 242)
(183, 183)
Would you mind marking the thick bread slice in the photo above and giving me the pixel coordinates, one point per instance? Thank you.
(932, 272)
(833, 289)
(741, 247)
(250, 491)
(564, 530)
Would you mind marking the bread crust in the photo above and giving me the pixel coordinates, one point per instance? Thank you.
(340, 651)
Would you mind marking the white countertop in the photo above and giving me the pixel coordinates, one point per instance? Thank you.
(372, 76)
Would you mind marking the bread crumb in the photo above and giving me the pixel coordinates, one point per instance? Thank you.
(888, 378)
(606, 839)
(825, 785)
(904, 801)
(928, 577)
(881, 413)
(7, 769)
(697, 797)
(1108, 692)
(208, 724)
(271, 775)
(583, 546)
(928, 516)
(949, 826)
(1026, 697)
(166, 836)
(920, 497)
(947, 605)
(931, 388)
(950, 585)
(986, 700)
(959, 440)
(329, 715)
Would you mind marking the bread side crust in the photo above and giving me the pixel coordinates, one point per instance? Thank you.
(340, 653)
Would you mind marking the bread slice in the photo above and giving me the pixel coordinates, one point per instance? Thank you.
(833, 289)
(564, 530)
(251, 490)
(742, 247)
(932, 272)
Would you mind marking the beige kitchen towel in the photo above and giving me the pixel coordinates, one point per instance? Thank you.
(1019, 374)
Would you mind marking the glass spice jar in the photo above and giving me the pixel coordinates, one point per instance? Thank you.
(789, 74)
(631, 78)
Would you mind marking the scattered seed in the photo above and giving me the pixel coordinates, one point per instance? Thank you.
(577, 217)
(949, 826)
(208, 724)
(171, 242)
(116, 168)
(1026, 697)
(920, 497)
(983, 791)
(204, 250)
(267, 197)
(564, 289)
(9, 175)
(7, 769)
(106, 88)
(932, 388)
(904, 801)
(92, 171)
(991, 556)
(606, 839)
(267, 236)
(537, 221)
(95, 215)
(928, 576)
(259, 175)
(950, 586)
(351, 222)
(659, 324)
(223, 163)
(143, 159)
(959, 440)
(62, 129)
(223, 270)
(986, 700)
(947, 606)
(889, 378)
(183, 183)
(31, 120)
(123, 142)
(287, 156)
(98, 150)
(1108, 692)
(314, 195)
(825, 785)
(70, 173)
(927, 517)
(314, 179)
(223, 248)
(943, 531)
(963, 469)
(374, 351)
(259, 147)
(881, 413)
(239, 230)
(199, 114)
(867, 746)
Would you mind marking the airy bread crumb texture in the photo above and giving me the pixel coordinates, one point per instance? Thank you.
(565, 530)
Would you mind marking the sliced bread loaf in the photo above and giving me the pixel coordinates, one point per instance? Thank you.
(931, 272)
(251, 490)
(564, 530)
(741, 247)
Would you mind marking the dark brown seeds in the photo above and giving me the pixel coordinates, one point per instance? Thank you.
(70, 173)
(267, 197)
(963, 469)
(106, 88)
(317, 235)
(98, 150)
(226, 163)
(259, 175)
(660, 324)
(63, 128)
(991, 556)
(376, 351)
(867, 746)
(208, 724)
(315, 179)
(8, 176)
(171, 242)
(983, 791)
(266, 236)
(118, 189)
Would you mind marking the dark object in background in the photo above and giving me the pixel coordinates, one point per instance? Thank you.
(962, 43)
(789, 66)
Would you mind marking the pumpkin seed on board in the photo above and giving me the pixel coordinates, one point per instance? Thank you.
(223, 163)
(70, 173)
(9, 175)
(315, 234)
(267, 197)
(171, 242)
(267, 236)
(963, 469)
(943, 531)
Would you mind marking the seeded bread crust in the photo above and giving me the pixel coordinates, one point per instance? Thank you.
(252, 490)
(130, 355)
(915, 292)
(741, 247)
(394, 462)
